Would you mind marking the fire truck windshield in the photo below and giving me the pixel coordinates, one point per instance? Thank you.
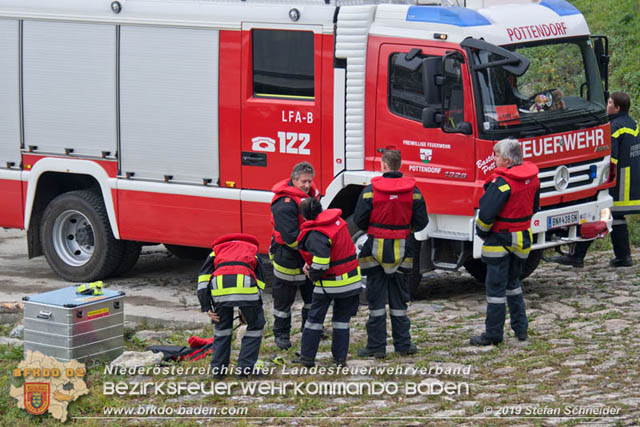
(561, 90)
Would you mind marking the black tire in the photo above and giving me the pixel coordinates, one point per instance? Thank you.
(130, 254)
(478, 269)
(76, 237)
(188, 252)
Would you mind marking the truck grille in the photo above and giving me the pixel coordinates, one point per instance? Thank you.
(581, 176)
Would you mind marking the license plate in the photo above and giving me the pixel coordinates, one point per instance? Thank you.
(562, 220)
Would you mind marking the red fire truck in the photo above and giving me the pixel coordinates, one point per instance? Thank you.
(131, 121)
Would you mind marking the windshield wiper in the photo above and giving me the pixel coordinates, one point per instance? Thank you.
(536, 121)
(596, 117)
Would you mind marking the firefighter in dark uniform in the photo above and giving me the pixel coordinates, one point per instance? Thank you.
(625, 153)
(389, 209)
(511, 196)
(232, 277)
(287, 262)
(332, 265)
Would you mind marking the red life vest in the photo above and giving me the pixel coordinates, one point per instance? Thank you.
(517, 211)
(343, 251)
(235, 254)
(283, 189)
(392, 207)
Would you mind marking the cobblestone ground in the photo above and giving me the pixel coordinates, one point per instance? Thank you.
(580, 365)
(581, 360)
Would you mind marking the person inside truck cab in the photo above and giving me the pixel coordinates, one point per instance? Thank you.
(287, 262)
(511, 196)
(625, 153)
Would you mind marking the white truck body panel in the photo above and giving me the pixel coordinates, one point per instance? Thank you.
(169, 103)
(69, 87)
(9, 94)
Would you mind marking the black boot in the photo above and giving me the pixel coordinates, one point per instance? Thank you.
(282, 342)
(621, 262)
(568, 260)
(483, 340)
(304, 361)
(367, 352)
(412, 349)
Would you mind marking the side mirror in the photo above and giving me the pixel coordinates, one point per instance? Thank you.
(432, 117)
(512, 62)
(432, 79)
(410, 62)
(601, 50)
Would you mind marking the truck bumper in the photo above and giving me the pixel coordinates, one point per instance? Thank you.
(551, 219)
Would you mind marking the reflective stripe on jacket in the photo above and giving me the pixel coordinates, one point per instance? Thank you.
(625, 152)
(342, 271)
(234, 278)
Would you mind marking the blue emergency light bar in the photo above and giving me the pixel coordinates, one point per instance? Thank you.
(561, 7)
(458, 16)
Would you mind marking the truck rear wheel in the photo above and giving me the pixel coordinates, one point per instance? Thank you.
(76, 237)
(478, 269)
(130, 254)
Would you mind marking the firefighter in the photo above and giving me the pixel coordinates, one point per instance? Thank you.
(625, 153)
(511, 197)
(287, 262)
(331, 264)
(232, 277)
(389, 209)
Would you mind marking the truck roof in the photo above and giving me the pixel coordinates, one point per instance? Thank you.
(497, 21)
(502, 23)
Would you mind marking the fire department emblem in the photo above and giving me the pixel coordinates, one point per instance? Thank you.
(425, 155)
(36, 398)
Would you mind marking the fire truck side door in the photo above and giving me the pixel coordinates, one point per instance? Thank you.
(281, 86)
(440, 159)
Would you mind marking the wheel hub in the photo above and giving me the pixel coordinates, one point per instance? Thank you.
(73, 238)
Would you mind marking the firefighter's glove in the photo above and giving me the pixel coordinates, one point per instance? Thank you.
(93, 288)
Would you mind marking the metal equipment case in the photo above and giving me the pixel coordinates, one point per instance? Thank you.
(67, 325)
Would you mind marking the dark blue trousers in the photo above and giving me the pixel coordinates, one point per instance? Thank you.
(503, 287)
(284, 295)
(251, 341)
(343, 310)
(391, 288)
(619, 240)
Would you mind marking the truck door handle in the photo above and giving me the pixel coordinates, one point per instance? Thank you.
(250, 158)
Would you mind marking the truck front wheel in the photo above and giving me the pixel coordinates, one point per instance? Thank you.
(76, 237)
(478, 269)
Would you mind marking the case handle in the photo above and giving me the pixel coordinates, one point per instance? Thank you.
(44, 315)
